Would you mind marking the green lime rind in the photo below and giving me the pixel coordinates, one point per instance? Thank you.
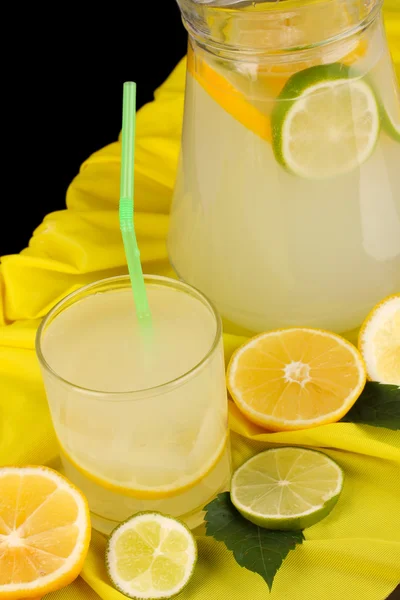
(291, 524)
(387, 124)
(295, 87)
(297, 521)
(109, 551)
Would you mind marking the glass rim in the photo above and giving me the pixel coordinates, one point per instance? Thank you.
(270, 6)
(197, 29)
(65, 302)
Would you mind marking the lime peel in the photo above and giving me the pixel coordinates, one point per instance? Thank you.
(325, 123)
(287, 488)
(151, 556)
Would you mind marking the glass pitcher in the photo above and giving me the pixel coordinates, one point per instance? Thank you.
(286, 209)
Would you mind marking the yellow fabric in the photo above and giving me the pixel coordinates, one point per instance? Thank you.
(355, 552)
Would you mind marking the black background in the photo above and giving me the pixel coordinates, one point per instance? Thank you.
(63, 95)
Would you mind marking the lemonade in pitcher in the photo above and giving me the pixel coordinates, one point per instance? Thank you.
(286, 208)
(141, 422)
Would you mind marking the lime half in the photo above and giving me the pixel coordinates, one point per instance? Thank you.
(151, 556)
(287, 488)
(325, 122)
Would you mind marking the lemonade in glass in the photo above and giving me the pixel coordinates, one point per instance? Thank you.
(286, 209)
(141, 420)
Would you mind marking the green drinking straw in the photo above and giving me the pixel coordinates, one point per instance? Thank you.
(126, 204)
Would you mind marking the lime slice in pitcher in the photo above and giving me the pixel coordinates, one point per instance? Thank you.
(325, 122)
(383, 80)
(391, 118)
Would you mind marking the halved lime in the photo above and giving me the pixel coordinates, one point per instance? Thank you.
(325, 122)
(151, 556)
(287, 488)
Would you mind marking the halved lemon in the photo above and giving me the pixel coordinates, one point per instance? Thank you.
(151, 556)
(296, 378)
(44, 532)
(379, 341)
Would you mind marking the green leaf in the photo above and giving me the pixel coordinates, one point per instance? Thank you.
(254, 548)
(378, 405)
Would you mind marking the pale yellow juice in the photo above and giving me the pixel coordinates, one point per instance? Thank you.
(270, 248)
(141, 419)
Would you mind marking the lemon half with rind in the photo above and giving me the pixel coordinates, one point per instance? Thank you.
(44, 532)
(379, 341)
(185, 481)
(296, 378)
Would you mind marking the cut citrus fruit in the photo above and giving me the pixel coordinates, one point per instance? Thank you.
(247, 92)
(383, 80)
(325, 123)
(379, 341)
(151, 556)
(228, 97)
(390, 109)
(391, 123)
(273, 77)
(141, 483)
(44, 532)
(287, 488)
(296, 378)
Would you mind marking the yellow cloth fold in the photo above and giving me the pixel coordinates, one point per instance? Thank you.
(355, 552)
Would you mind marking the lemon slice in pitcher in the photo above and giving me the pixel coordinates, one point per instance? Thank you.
(325, 123)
